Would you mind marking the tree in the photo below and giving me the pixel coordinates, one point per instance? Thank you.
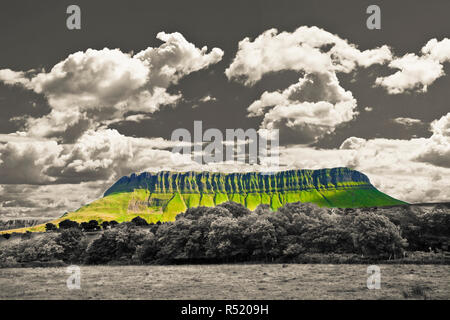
(50, 227)
(92, 225)
(140, 222)
(260, 238)
(236, 209)
(39, 249)
(113, 223)
(67, 224)
(146, 252)
(74, 243)
(225, 241)
(434, 229)
(374, 234)
(172, 239)
(105, 225)
(262, 209)
(118, 244)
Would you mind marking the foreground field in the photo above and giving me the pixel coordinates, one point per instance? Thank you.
(269, 281)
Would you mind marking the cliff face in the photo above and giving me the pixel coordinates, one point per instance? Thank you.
(251, 182)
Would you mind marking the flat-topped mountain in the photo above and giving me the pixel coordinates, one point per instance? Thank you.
(161, 196)
(249, 182)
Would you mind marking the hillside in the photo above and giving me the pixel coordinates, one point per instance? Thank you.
(161, 196)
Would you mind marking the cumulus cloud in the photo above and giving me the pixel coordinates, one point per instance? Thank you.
(437, 149)
(98, 155)
(308, 109)
(317, 103)
(23, 161)
(308, 49)
(389, 164)
(416, 73)
(66, 126)
(11, 77)
(102, 85)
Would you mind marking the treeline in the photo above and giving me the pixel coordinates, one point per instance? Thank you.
(231, 233)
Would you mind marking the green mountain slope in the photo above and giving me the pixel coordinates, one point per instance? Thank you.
(161, 196)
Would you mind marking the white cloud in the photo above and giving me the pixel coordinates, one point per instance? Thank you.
(310, 108)
(352, 143)
(102, 85)
(175, 59)
(11, 77)
(416, 73)
(100, 155)
(438, 50)
(207, 98)
(317, 103)
(389, 164)
(66, 125)
(437, 149)
(22, 161)
(137, 117)
(407, 121)
(105, 154)
(302, 50)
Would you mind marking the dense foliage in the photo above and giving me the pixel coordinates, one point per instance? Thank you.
(229, 232)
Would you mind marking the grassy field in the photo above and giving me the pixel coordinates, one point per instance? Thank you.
(268, 281)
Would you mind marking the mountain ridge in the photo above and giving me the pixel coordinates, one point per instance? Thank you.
(161, 196)
(195, 181)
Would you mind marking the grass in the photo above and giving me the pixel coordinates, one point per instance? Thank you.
(256, 281)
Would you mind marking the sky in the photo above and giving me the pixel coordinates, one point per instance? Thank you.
(81, 108)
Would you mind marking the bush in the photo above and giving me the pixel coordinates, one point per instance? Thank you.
(109, 224)
(236, 209)
(374, 234)
(50, 227)
(117, 244)
(113, 223)
(92, 225)
(67, 224)
(43, 249)
(138, 221)
(74, 244)
(105, 225)
(146, 252)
